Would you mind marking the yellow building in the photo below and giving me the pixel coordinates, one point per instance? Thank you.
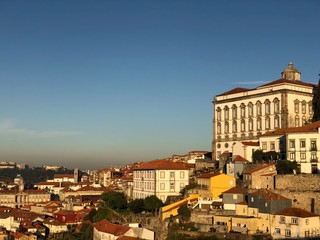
(212, 185)
(172, 209)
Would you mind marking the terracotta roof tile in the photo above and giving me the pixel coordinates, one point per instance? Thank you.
(108, 227)
(313, 127)
(235, 90)
(235, 190)
(162, 164)
(209, 175)
(297, 212)
(286, 81)
(257, 169)
(268, 195)
(239, 158)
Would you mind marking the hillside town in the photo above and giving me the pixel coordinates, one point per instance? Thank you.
(260, 180)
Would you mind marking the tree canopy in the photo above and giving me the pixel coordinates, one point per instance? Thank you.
(115, 200)
(152, 203)
(286, 167)
(260, 156)
(137, 205)
(316, 104)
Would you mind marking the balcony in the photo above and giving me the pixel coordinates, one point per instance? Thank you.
(313, 149)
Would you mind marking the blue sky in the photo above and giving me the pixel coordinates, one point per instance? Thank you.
(94, 84)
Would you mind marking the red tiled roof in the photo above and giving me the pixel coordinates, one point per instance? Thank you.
(286, 81)
(108, 227)
(239, 158)
(235, 90)
(235, 190)
(257, 169)
(297, 212)
(253, 144)
(209, 175)
(268, 195)
(162, 164)
(313, 127)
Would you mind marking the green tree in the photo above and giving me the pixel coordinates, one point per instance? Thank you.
(90, 215)
(115, 200)
(185, 190)
(152, 203)
(102, 213)
(136, 206)
(184, 212)
(316, 104)
(286, 167)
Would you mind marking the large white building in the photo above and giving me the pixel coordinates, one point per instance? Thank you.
(298, 144)
(161, 178)
(242, 115)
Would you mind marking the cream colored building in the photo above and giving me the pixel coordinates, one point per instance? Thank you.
(298, 144)
(161, 178)
(295, 223)
(16, 199)
(245, 114)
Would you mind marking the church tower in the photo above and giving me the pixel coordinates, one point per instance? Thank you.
(76, 175)
(291, 73)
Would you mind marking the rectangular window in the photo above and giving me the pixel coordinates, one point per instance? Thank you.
(235, 196)
(288, 233)
(162, 174)
(296, 107)
(162, 186)
(171, 187)
(272, 146)
(302, 143)
(292, 144)
(277, 231)
(303, 155)
(303, 108)
(292, 155)
(171, 174)
(282, 219)
(313, 145)
(313, 155)
(264, 146)
(294, 221)
(307, 221)
(181, 174)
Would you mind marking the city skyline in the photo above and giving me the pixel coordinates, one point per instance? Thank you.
(91, 85)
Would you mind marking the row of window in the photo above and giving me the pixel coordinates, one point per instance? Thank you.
(267, 109)
(150, 174)
(303, 156)
(144, 185)
(267, 122)
(302, 144)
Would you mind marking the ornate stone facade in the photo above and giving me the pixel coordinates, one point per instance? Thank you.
(245, 114)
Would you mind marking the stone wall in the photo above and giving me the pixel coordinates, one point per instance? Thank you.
(303, 189)
(299, 182)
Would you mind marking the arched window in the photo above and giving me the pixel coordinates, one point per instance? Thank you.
(303, 107)
(219, 114)
(267, 107)
(234, 126)
(234, 111)
(276, 105)
(267, 122)
(304, 120)
(218, 128)
(259, 124)
(276, 121)
(250, 109)
(250, 124)
(258, 104)
(226, 128)
(243, 110)
(243, 126)
(296, 106)
(226, 113)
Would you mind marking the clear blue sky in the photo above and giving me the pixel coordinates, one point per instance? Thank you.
(92, 84)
